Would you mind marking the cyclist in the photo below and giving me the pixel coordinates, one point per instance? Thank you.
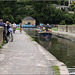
(7, 28)
(20, 26)
(2, 24)
(14, 27)
(9, 31)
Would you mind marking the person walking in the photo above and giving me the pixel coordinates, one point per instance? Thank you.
(20, 26)
(2, 24)
(7, 28)
(14, 27)
(9, 32)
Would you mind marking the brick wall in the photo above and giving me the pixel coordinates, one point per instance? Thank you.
(1, 35)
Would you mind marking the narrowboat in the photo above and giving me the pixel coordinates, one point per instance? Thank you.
(45, 35)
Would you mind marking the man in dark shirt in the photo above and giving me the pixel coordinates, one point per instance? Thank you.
(2, 24)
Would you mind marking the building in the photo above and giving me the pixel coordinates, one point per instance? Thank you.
(28, 21)
(71, 1)
(61, 6)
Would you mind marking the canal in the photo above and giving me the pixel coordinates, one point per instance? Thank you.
(62, 49)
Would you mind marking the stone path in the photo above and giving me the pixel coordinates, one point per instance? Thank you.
(23, 56)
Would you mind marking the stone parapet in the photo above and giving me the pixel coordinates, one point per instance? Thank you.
(1, 35)
(71, 28)
(67, 28)
(62, 28)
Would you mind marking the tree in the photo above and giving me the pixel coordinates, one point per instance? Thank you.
(66, 3)
(18, 19)
(5, 18)
(58, 2)
(43, 11)
(62, 22)
(58, 16)
(74, 18)
(68, 18)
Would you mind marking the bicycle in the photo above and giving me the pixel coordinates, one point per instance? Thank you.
(10, 36)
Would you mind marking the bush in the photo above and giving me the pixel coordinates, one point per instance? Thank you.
(62, 22)
(71, 5)
(66, 3)
(73, 8)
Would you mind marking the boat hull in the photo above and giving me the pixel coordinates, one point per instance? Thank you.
(45, 36)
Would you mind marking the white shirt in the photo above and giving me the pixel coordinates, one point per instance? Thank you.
(14, 25)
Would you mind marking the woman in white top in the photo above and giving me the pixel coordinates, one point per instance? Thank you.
(14, 27)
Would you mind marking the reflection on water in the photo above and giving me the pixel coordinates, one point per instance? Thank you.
(44, 36)
(62, 49)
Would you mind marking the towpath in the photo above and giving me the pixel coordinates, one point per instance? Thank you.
(23, 56)
(66, 33)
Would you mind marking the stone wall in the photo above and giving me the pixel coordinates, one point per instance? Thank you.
(62, 28)
(32, 22)
(67, 28)
(71, 28)
(1, 35)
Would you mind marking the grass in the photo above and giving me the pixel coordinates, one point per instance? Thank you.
(73, 24)
(30, 37)
(55, 29)
(0, 46)
(56, 70)
(17, 28)
(3, 43)
(26, 34)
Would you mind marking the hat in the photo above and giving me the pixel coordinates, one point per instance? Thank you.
(47, 23)
(7, 22)
(1, 20)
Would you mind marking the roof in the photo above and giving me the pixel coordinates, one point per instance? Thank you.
(28, 18)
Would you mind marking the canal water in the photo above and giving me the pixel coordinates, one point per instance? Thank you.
(62, 49)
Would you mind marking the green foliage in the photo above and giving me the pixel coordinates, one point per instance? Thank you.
(0, 46)
(55, 29)
(69, 18)
(56, 70)
(42, 11)
(3, 43)
(6, 10)
(57, 2)
(58, 16)
(30, 37)
(18, 18)
(17, 28)
(66, 3)
(62, 22)
(74, 18)
(73, 2)
(72, 7)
